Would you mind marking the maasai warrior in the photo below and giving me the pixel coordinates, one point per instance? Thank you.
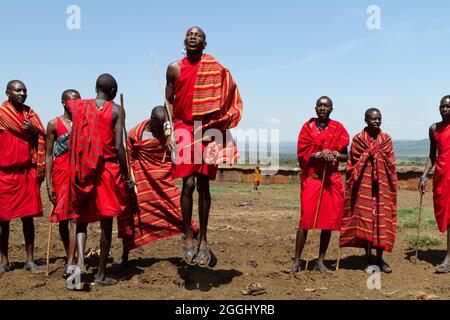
(440, 160)
(22, 166)
(370, 216)
(57, 172)
(98, 169)
(159, 212)
(322, 145)
(256, 178)
(199, 89)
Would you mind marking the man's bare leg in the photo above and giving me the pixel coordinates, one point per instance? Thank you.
(300, 242)
(325, 237)
(384, 267)
(105, 247)
(28, 233)
(72, 241)
(64, 234)
(81, 244)
(4, 243)
(186, 209)
(444, 267)
(447, 257)
(204, 207)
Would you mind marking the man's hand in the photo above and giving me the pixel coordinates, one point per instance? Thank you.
(28, 127)
(130, 184)
(51, 194)
(328, 156)
(422, 185)
(170, 142)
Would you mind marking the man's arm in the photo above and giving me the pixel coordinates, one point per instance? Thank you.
(118, 119)
(173, 72)
(50, 140)
(431, 159)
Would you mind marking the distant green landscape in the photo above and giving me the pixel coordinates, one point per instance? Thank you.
(408, 153)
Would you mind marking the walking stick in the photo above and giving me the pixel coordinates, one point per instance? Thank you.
(49, 241)
(130, 169)
(339, 259)
(317, 216)
(418, 226)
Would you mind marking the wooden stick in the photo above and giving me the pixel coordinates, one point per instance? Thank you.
(418, 226)
(130, 169)
(317, 216)
(166, 103)
(49, 241)
(339, 259)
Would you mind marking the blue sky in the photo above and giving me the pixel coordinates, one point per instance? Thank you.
(283, 55)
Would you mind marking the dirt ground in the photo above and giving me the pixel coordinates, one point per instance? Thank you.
(253, 243)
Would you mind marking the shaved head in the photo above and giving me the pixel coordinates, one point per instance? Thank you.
(445, 100)
(199, 29)
(14, 83)
(17, 92)
(159, 114)
(157, 121)
(370, 111)
(70, 94)
(325, 100)
(106, 84)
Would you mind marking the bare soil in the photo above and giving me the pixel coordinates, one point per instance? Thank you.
(253, 236)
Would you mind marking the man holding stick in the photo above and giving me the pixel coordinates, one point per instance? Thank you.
(158, 200)
(370, 216)
(440, 159)
(202, 96)
(322, 145)
(57, 172)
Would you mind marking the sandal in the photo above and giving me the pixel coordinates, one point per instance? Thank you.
(292, 269)
(5, 268)
(211, 259)
(443, 268)
(189, 256)
(33, 268)
(384, 267)
(107, 282)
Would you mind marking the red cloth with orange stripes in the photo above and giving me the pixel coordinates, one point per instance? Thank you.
(11, 121)
(371, 195)
(312, 140)
(60, 173)
(19, 180)
(441, 182)
(159, 212)
(205, 92)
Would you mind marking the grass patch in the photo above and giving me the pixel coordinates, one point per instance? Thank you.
(408, 218)
(425, 241)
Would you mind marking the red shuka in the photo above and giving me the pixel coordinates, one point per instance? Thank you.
(204, 92)
(159, 212)
(311, 140)
(441, 183)
(96, 190)
(19, 183)
(371, 196)
(60, 173)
